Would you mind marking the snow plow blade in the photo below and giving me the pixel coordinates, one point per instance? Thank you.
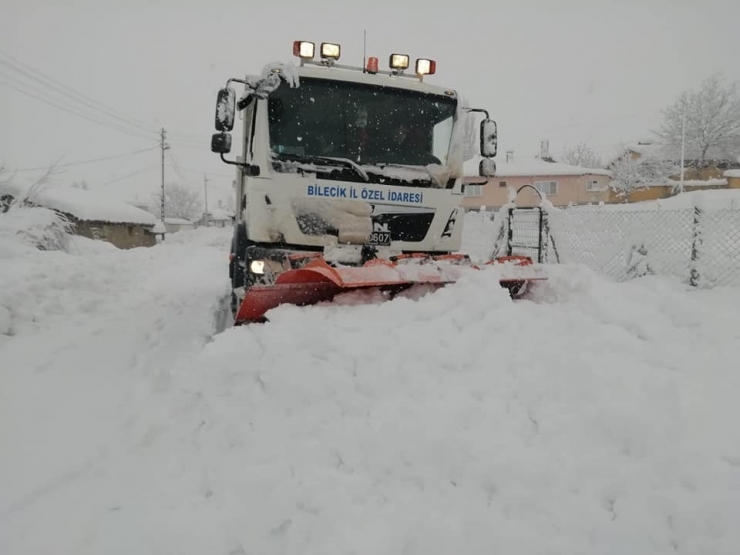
(318, 281)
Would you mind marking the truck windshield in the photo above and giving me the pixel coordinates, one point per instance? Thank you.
(366, 124)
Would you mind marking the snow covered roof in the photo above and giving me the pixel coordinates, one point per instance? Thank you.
(91, 206)
(531, 167)
(178, 221)
(732, 173)
(661, 152)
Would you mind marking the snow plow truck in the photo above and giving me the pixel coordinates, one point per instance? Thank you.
(348, 179)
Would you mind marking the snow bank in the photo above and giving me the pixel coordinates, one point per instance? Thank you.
(443, 425)
(479, 235)
(595, 418)
(732, 173)
(715, 200)
(23, 227)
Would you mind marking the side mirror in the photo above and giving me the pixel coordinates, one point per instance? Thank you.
(221, 143)
(487, 167)
(488, 138)
(225, 104)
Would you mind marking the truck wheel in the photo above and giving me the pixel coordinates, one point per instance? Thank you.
(236, 270)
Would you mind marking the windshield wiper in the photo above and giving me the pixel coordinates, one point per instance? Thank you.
(346, 162)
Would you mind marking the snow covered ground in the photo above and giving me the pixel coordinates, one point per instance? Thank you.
(595, 418)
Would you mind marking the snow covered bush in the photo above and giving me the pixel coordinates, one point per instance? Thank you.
(23, 222)
(35, 226)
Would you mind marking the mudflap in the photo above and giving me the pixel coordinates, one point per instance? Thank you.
(318, 281)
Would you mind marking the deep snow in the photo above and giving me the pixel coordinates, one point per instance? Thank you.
(596, 418)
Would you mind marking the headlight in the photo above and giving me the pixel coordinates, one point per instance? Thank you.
(329, 50)
(257, 266)
(304, 49)
(399, 61)
(425, 67)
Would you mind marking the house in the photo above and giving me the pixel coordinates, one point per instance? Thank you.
(173, 225)
(217, 217)
(710, 175)
(562, 184)
(733, 179)
(97, 217)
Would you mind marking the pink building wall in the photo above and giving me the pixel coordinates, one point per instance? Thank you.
(576, 189)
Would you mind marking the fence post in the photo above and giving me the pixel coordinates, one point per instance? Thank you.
(695, 275)
(510, 233)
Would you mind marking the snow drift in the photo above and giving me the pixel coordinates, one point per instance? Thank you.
(596, 418)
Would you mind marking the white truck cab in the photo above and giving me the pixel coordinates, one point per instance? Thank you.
(349, 162)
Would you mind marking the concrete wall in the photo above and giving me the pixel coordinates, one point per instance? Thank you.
(123, 236)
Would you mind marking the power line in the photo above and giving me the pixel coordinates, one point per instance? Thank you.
(191, 170)
(82, 162)
(110, 125)
(82, 98)
(132, 174)
(68, 91)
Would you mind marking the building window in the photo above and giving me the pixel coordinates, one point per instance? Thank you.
(548, 188)
(473, 190)
(502, 183)
(592, 185)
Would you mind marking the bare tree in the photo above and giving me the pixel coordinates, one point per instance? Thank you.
(4, 179)
(580, 155)
(5, 197)
(632, 173)
(180, 201)
(712, 117)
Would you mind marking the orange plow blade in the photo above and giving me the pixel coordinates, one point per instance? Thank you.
(318, 281)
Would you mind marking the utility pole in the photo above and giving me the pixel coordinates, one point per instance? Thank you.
(163, 146)
(683, 144)
(205, 212)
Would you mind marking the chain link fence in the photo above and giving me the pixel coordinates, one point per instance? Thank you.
(699, 246)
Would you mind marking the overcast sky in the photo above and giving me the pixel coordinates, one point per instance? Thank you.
(568, 71)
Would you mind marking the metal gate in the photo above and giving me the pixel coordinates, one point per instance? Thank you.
(526, 232)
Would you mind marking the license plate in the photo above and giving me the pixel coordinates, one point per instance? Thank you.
(381, 238)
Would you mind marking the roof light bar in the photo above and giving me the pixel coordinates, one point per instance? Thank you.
(372, 65)
(305, 50)
(399, 61)
(425, 67)
(330, 50)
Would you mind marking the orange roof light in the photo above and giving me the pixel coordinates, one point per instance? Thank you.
(372, 65)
